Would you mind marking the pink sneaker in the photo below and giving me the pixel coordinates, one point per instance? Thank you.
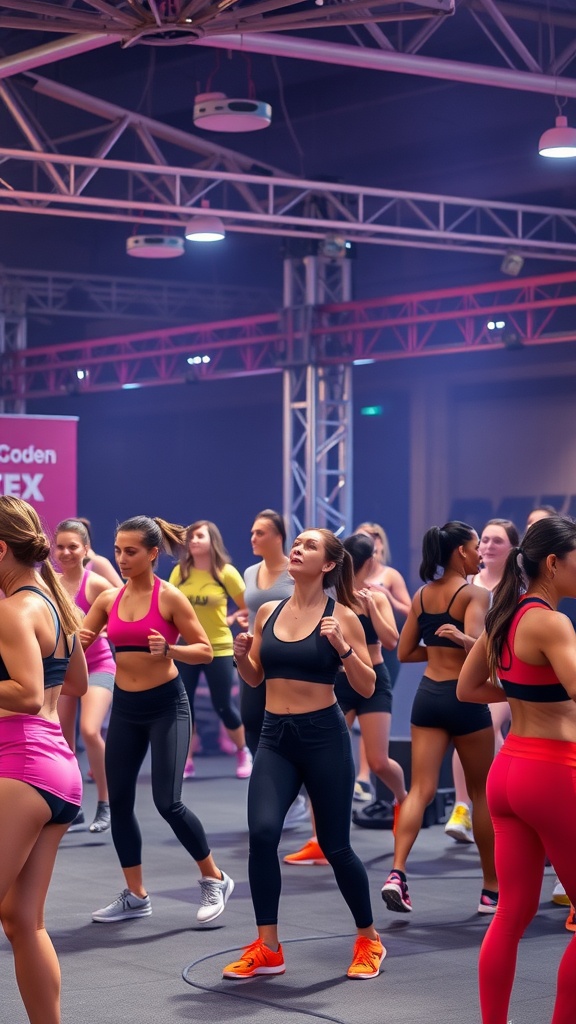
(244, 763)
(189, 769)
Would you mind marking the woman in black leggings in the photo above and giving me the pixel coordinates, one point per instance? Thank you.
(298, 646)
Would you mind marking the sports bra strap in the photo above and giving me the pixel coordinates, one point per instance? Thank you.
(452, 599)
(55, 618)
(454, 596)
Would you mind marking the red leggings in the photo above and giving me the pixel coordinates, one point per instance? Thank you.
(532, 799)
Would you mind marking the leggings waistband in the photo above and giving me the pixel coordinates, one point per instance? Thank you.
(536, 748)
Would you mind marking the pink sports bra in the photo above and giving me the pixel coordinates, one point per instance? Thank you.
(133, 636)
(99, 657)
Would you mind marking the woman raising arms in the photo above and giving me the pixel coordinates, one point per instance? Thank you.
(150, 709)
(528, 656)
(447, 614)
(40, 782)
(298, 646)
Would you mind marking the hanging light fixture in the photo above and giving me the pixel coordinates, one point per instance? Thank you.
(558, 142)
(205, 227)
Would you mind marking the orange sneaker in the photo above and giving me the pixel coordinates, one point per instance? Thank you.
(309, 854)
(571, 920)
(256, 959)
(396, 817)
(367, 959)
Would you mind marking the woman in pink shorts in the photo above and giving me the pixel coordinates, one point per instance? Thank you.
(40, 784)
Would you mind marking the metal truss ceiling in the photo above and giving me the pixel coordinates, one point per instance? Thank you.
(537, 311)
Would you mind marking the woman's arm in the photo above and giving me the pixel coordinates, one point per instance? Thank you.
(23, 692)
(379, 611)
(103, 567)
(247, 648)
(474, 684)
(395, 590)
(76, 678)
(345, 633)
(409, 647)
(96, 618)
(197, 649)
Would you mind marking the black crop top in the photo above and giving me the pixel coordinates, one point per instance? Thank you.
(54, 668)
(369, 630)
(429, 622)
(311, 660)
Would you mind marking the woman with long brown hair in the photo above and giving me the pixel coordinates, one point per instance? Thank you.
(40, 782)
(208, 580)
(298, 646)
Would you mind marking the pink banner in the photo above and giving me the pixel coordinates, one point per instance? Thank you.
(38, 463)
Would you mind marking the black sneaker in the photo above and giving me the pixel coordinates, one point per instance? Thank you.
(378, 814)
(395, 894)
(79, 822)
(101, 821)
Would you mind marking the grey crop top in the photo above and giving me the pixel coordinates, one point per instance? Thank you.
(255, 596)
(54, 668)
(312, 660)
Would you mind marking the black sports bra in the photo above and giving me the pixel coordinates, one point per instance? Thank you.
(311, 660)
(369, 630)
(54, 668)
(429, 622)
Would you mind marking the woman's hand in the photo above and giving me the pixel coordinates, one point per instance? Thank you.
(450, 632)
(241, 618)
(159, 647)
(87, 636)
(331, 629)
(242, 644)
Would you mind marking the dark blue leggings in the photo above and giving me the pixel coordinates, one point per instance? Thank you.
(313, 749)
(159, 719)
(220, 678)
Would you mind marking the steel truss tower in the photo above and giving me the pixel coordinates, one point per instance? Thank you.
(12, 340)
(317, 434)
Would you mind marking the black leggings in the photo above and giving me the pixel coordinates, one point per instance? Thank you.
(313, 749)
(159, 719)
(220, 678)
(252, 707)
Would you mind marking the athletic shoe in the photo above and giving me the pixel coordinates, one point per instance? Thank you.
(78, 824)
(459, 824)
(571, 920)
(310, 853)
(214, 895)
(378, 814)
(297, 814)
(488, 902)
(256, 959)
(362, 791)
(367, 958)
(125, 905)
(243, 763)
(559, 896)
(101, 821)
(189, 769)
(395, 893)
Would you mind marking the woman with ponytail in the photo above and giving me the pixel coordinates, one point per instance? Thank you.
(40, 782)
(446, 617)
(297, 646)
(150, 709)
(527, 656)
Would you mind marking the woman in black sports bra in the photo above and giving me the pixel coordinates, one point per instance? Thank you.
(446, 617)
(40, 782)
(298, 646)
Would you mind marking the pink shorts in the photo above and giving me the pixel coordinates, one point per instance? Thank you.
(34, 750)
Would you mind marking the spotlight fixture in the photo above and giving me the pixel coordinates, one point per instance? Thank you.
(214, 112)
(512, 264)
(206, 227)
(155, 247)
(558, 142)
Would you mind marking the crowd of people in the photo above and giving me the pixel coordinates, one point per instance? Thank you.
(314, 636)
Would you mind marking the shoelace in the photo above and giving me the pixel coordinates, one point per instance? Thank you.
(210, 891)
(363, 954)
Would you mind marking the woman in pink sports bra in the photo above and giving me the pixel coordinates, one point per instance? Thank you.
(527, 656)
(71, 546)
(150, 709)
(40, 782)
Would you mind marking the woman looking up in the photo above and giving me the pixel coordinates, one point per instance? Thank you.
(297, 646)
(527, 656)
(207, 579)
(150, 709)
(447, 614)
(496, 540)
(71, 543)
(40, 782)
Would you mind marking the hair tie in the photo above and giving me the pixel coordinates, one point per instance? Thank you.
(520, 560)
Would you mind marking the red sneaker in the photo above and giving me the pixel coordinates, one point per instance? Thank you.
(256, 959)
(309, 854)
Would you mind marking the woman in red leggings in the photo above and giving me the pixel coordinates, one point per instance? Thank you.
(528, 654)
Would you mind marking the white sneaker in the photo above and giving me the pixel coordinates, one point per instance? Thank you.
(214, 895)
(125, 905)
(559, 896)
(297, 813)
(459, 824)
